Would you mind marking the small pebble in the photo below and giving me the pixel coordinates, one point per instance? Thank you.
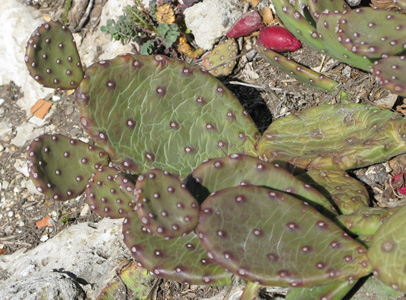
(56, 98)
(44, 238)
(10, 214)
(1, 101)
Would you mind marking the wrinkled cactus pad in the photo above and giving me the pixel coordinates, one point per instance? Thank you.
(372, 32)
(52, 58)
(152, 111)
(222, 59)
(182, 259)
(387, 251)
(272, 238)
(60, 167)
(164, 205)
(104, 195)
(346, 192)
(238, 169)
(341, 136)
(390, 73)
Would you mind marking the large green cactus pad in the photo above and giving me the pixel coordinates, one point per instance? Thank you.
(182, 259)
(238, 169)
(272, 238)
(343, 136)
(60, 167)
(387, 251)
(52, 58)
(346, 192)
(327, 26)
(152, 111)
(373, 33)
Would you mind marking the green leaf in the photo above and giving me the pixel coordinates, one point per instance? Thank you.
(147, 48)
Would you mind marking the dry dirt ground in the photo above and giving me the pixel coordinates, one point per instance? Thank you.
(265, 92)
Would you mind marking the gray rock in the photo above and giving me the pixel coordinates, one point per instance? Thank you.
(52, 285)
(210, 20)
(88, 254)
(18, 22)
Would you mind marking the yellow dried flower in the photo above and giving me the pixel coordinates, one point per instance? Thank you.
(165, 14)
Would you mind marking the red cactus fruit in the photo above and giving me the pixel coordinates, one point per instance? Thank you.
(278, 38)
(246, 25)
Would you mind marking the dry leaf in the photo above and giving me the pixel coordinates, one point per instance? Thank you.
(165, 14)
(43, 222)
(267, 15)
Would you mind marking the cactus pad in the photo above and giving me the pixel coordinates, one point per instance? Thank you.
(222, 53)
(152, 111)
(274, 239)
(344, 136)
(104, 195)
(372, 32)
(182, 259)
(297, 71)
(164, 205)
(60, 167)
(326, 26)
(387, 251)
(346, 192)
(332, 291)
(237, 169)
(52, 58)
(316, 7)
(390, 74)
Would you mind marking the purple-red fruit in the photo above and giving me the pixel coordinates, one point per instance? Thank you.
(278, 38)
(246, 25)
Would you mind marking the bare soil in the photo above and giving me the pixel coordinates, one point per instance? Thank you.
(265, 92)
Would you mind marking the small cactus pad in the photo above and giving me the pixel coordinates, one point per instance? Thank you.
(238, 169)
(366, 220)
(182, 259)
(60, 167)
(390, 73)
(326, 26)
(152, 111)
(52, 58)
(251, 291)
(104, 195)
(332, 291)
(346, 192)
(376, 290)
(221, 60)
(298, 25)
(297, 71)
(164, 205)
(342, 136)
(272, 238)
(372, 32)
(387, 251)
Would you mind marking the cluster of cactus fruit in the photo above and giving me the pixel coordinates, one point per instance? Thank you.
(367, 38)
(204, 195)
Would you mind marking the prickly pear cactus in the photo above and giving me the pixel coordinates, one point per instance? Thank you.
(346, 192)
(52, 58)
(297, 71)
(152, 111)
(164, 205)
(372, 32)
(60, 167)
(236, 169)
(223, 56)
(316, 7)
(390, 74)
(326, 27)
(182, 259)
(342, 136)
(272, 238)
(387, 251)
(104, 195)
